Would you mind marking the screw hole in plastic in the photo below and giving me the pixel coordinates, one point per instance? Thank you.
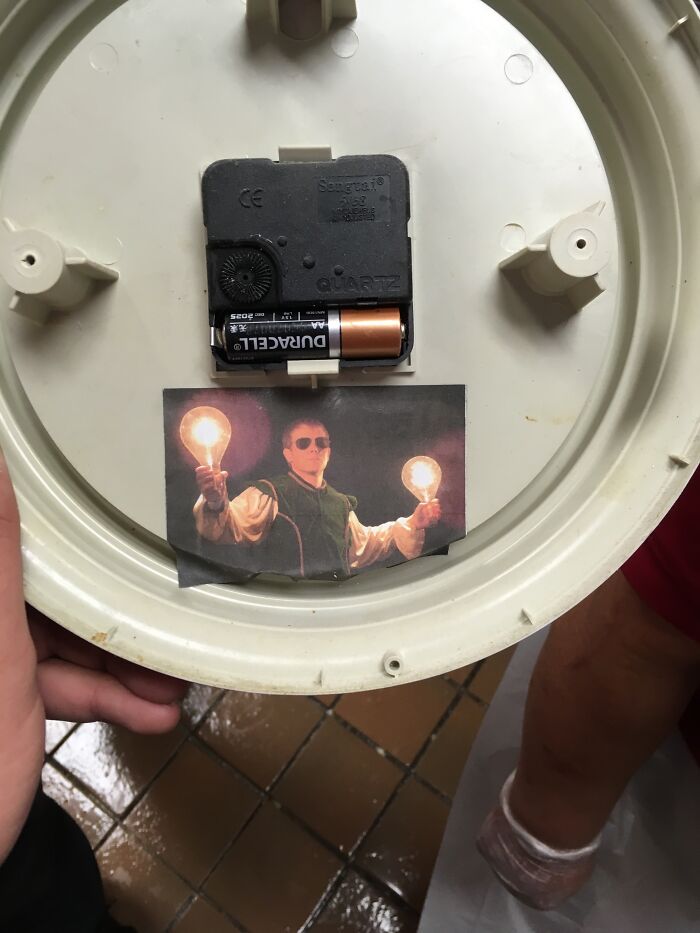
(393, 665)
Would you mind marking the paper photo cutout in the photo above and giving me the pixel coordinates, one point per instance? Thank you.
(318, 485)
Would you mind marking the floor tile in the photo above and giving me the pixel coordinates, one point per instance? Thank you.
(401, 851)
(258, 734)
(93, 820)
(359, 907)
(338, 784)
(201, 917)
(274, 875)
(117, 765)
(443, 762)
(192, 811)
(490, 675)
(462, 674)
(141, 891)
(56, 731)
(197, 703)
(399, 719)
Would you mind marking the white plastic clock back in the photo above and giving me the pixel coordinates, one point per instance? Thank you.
(512, 118)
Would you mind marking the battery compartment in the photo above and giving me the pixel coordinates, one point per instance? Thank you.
(295, 248)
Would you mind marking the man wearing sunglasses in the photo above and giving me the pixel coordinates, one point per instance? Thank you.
(305, 527)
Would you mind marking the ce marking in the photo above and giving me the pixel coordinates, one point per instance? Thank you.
(250, 198)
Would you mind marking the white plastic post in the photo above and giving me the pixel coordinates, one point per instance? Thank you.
(36, 265)
(568, 258)
(330, 9)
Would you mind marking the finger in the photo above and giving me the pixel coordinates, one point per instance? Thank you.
(52, 640)
(57, 642)
(77, 694)
(148, 685)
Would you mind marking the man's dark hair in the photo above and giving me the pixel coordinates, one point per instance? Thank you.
(287, 436)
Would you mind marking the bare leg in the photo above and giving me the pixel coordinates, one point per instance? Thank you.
(610, 684)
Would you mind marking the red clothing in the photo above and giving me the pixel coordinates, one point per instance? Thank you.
(665, 572)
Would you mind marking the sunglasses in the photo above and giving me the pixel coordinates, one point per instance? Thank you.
(303, 443)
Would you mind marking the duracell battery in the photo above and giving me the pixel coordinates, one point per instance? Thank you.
(274, 336)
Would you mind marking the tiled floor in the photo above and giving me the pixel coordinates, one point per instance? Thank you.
(275, 814)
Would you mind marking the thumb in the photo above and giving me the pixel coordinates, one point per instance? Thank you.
(11, 589)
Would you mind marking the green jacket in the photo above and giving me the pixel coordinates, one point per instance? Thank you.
(310, 535)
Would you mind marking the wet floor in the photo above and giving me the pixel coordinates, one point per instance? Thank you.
(275, 814)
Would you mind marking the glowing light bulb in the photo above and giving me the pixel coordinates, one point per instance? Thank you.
(422, 476)
(206, 433)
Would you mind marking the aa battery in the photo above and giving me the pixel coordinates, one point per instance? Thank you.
(269, 336)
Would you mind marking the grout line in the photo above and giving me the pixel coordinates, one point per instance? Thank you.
(419, 779)
(189, 732)
(327, 706)
(343, 856)
(218, 698)
(477, 668)
(60, 742)
(195, 891)
(156, 856)
(460, 683)
(353, 730)
(266, 793)
(91, 794)
(325, 899)
(381, 886)
(460, 692)
(193, 734)
(409, 772)
(477, 699)
(182, 910)
(236, 923)
(347, 858)
(84, 789)
(206, 749)
(144, 790)
(199, 896)
(94, 796)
